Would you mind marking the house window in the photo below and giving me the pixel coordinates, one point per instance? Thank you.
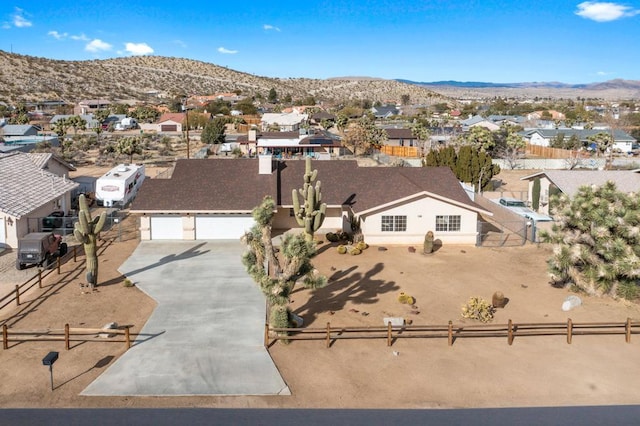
(394, 223)
(447, 223)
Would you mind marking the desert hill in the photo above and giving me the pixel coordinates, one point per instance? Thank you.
(28, 78)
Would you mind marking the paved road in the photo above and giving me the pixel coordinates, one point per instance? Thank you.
(206, 335)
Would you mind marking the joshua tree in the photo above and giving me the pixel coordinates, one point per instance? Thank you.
(86, 231)
(310, 214)
(596, 241)
(277, 275)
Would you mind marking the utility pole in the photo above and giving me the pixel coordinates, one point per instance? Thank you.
(185, 108)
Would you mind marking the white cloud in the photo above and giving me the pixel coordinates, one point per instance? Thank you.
(97, 45)
(268, 27)
(80, 37)
(227, 51)
(19, 21)
(57, 35)
(180, 43)
(138, 49)
(604, 11)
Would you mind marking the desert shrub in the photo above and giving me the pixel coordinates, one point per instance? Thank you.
(332, 237)
(628, 291)
(478, 309)
(127, 283)
(498, 300)
(355, 252)
(342, 249)
(406, 299)
(361, 245)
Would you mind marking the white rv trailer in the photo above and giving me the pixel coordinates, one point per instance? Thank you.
(119, 185)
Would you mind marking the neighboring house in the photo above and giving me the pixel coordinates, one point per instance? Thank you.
(89, 106)
(622, 141)
(569, 181)
(401, 137)
(170, 122)
(514, 120)
(291, 144)
(19, 130)
(320, 116)
(386, 111)
(92, 123)
(394, 205)
(287, 122)
(479, 121)
(29, 191)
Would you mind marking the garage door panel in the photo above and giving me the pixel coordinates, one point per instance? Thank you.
(222, 227)
(166, 228)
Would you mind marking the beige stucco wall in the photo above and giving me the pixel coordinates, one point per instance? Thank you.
(421, 217)
(334, 219)
(145, 228)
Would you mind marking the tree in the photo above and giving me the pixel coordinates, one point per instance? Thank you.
(341, 122)
(76, 122)
(310, 213)
(512, 147)
(214, 132)
(278, 273)
(273, 96)
(469, 164)
(479, 137)
(145, 114)
(405, 99)
(86, 231)
(129, 145)
(60, 128)
(423, 134)
(363, 136)
(596, 243)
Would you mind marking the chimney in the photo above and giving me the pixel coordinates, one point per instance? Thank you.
(265, 164)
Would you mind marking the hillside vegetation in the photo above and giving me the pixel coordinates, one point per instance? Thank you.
(28, 78)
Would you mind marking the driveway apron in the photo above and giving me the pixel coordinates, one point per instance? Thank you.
(205, 336)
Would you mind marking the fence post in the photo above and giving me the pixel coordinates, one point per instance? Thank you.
(58, 264)
(569, 330)
(266, 335)
(627, 331)
(66, 336)
(39, 278)
(75, 251)
(328, 343)
(389, 333)
(127, 337)
(510, 333)
(450, 336)
(5, 337)
(17, 295)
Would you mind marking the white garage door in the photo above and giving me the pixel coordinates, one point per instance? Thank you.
(222, 227)
(166, 228)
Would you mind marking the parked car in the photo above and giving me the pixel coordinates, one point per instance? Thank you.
(56, 220)
(520, 207)
(39, 248)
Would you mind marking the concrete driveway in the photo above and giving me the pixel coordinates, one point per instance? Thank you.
(206, 335)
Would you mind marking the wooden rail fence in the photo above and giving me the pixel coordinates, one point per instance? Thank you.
(67, 334)
(452, 332)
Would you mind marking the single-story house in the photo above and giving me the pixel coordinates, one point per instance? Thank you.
(170, 122)
(19, 130)
(479, 121)
(90, 105)
(291, 144)
(569, 181)
(622, 141)
(92, 123)
(30, 189)
(386, 111)
(401, 137)
(287, 122)
(394, 205)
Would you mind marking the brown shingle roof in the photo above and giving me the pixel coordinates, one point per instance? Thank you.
(235, 185)
(400, 133)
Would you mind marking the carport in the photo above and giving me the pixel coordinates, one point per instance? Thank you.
(205, 337)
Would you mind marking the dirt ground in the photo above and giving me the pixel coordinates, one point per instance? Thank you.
(362, 290)
(413, 373)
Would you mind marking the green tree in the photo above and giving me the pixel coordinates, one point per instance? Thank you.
(214, 132)
(272, 97)
(246, 106)
(405, 99)
(596, 243)
(278, 271)
(129, 145)
(76, 122)
(145, 114)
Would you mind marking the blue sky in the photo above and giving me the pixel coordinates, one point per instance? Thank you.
(465, 40)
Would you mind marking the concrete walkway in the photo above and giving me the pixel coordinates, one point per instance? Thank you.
(205, 337)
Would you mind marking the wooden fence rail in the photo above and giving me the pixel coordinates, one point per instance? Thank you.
(452, 332)
(67, 334)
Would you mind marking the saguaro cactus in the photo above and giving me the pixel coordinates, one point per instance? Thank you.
(86, 231)
(310, 213)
